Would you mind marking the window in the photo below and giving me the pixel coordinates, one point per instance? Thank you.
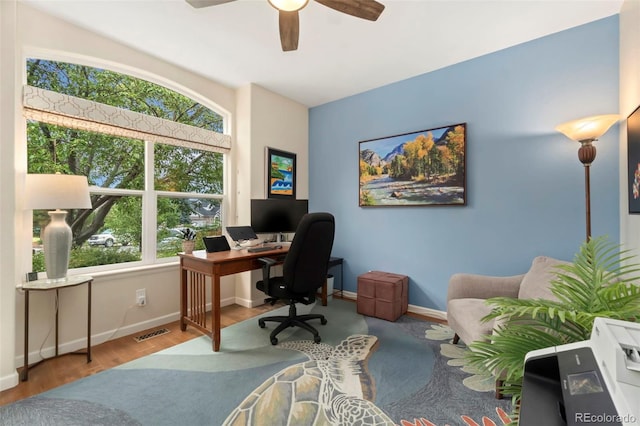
(142, 189)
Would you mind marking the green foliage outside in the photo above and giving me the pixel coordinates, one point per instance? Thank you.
(90, 256)
(116, 162)
(601, 282)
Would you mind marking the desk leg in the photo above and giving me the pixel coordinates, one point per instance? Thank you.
(324, 293)
(215, 312)
(89, 322)
(25, 369)
(183, 297)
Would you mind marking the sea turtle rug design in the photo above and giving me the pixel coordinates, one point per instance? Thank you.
(478, 381)
(332, 388)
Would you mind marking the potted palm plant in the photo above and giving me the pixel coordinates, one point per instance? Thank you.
(601, 282)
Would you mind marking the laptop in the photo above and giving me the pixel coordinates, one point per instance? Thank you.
(214, 244)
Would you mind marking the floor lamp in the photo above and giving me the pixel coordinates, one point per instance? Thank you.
(58, 191)
(586, 131)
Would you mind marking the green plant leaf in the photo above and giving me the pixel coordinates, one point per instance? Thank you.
(600, 282)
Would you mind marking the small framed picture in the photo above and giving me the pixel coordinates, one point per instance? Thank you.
(281, 174)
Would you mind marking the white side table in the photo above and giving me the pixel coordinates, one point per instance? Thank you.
(46, 285)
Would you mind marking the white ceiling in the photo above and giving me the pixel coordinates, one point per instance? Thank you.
(338, 55)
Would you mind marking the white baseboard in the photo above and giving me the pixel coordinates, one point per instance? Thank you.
(134, 328)
(9, 381)
(433, 313)
(247, 303)
(96, 339)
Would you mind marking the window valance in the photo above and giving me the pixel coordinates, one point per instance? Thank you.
(82, 114)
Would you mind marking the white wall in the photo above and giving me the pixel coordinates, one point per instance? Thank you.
(276, 122)
(27, 32)
(8, 126)
(525, 185)
(629, 101)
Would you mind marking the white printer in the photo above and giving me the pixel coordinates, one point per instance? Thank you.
(595, 382)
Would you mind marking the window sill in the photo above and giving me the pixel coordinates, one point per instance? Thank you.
(136, 270)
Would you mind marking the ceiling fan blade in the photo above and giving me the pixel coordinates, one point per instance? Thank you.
(365, 9)
(289, 30)
(206, 3)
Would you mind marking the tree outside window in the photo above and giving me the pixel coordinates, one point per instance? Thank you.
(185, 191)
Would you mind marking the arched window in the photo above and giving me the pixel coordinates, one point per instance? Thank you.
(154, 159)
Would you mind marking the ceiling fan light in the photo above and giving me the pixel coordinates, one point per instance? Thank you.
(288, 5)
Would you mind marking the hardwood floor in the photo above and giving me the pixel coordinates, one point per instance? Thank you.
(67, 368)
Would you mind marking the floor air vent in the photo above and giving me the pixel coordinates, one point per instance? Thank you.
(151, 335)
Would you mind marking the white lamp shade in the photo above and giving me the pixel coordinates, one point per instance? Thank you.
(588, 128)
(288, 5)
(58, 191)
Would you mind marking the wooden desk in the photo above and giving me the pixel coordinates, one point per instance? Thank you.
(194, 270)
(46, 285)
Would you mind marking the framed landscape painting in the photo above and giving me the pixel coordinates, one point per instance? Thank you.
(424, 168)
(281, 174)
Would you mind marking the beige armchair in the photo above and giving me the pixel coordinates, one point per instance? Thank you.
(467, 294)
(466, 303)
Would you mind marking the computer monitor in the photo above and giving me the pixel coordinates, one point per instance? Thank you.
(274, 216)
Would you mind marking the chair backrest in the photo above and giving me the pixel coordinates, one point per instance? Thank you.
(305, 266)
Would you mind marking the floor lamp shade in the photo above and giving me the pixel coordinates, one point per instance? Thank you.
(588, 128)
(586, 131)
(58, 191)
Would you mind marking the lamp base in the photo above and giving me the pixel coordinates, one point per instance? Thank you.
(56, 239)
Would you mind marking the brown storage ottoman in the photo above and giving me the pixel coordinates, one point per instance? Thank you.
(383, 295)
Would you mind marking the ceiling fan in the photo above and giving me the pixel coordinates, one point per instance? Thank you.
(288, 9)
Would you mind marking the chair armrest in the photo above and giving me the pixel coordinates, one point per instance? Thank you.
(483, 286)
(267, 263)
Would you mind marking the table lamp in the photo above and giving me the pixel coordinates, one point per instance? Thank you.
(57, 191)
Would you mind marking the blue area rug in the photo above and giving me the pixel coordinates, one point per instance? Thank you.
(366, 371)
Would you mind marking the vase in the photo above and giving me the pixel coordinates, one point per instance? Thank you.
(188, 246)
(56, 239)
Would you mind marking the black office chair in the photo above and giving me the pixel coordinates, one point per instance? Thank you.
(304, 272)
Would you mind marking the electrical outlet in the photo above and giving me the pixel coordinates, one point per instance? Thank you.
(141, 297)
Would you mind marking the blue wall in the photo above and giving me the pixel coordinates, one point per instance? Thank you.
(525, 184)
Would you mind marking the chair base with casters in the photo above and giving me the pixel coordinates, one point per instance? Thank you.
(293, 320)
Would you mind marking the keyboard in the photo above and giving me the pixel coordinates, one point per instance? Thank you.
(262, 248)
